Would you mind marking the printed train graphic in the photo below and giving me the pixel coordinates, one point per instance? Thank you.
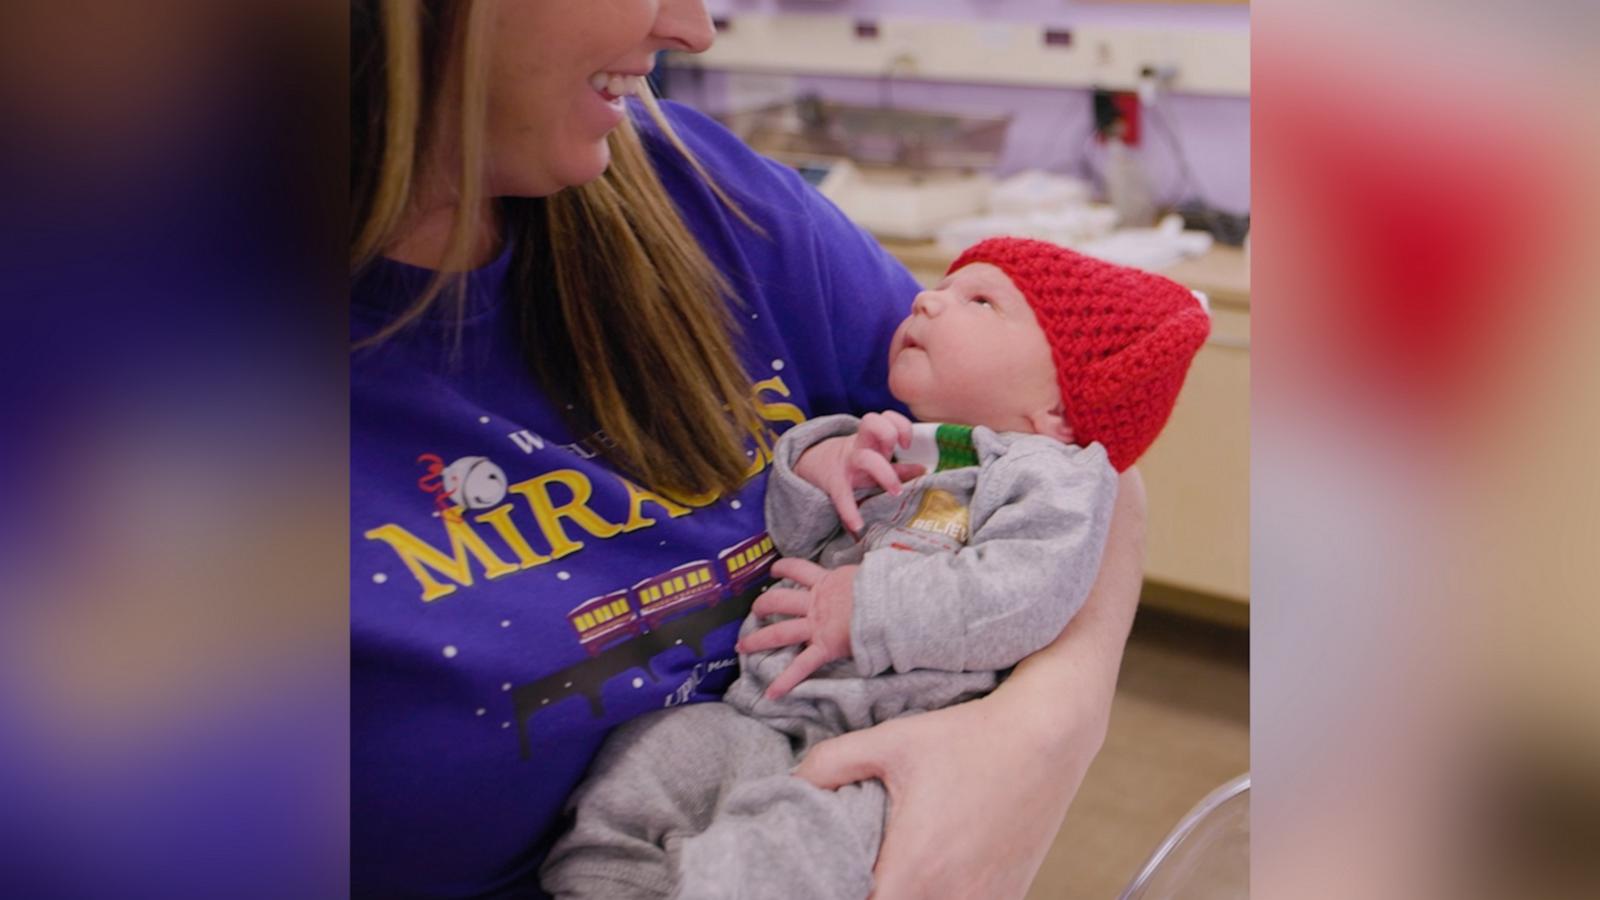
(676, 607)
(611, 618)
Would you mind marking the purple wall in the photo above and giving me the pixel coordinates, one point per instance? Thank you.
(1048, 124)
(1054, 12)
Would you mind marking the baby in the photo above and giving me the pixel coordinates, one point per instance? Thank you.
(1040, 373)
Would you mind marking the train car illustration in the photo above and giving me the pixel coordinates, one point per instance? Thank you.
(745, 563)
(611, 618)
(605, 620)
(678, 591)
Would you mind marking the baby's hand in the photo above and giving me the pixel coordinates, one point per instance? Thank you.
(841, 465)
(822, 610)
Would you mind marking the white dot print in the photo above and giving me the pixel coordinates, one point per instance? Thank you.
(505, 623)
(379, 578)
(505, 724)
(450, 651)
(563, 575)
(481, 711)
(638, 682)
(506, 686)
(777, 365)
(736, 504)
(483, 420)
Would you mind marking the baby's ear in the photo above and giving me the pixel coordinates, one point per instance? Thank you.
(1052, 423)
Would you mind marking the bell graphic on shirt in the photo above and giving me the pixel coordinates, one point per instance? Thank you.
(474, 482)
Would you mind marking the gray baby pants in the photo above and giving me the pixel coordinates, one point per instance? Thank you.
(697, 803)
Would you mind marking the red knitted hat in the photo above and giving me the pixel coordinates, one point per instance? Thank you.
(1122, 338)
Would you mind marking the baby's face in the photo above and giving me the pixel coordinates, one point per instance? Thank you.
(972, 353)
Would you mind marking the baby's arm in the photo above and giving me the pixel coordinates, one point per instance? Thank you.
(818, 467)
(800, 517)
(1039, 515)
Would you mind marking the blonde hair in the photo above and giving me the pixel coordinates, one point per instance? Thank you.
(623, 316)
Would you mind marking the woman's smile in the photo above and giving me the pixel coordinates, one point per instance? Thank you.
(613, 86)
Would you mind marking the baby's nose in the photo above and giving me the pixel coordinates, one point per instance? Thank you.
(928, 303)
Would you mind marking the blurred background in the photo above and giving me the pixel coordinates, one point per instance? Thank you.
(1407, 336)
(1424, 432)
(1119, 129)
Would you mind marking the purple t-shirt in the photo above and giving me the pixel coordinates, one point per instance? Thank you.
(512, 597)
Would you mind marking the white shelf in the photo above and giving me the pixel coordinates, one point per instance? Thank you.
(1208, 60)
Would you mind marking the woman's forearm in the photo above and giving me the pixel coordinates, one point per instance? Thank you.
(1082, 664)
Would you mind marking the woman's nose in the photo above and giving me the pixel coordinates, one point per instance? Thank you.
(928, 303)
(684, 25)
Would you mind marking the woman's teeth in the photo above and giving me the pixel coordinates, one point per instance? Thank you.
(615, 85)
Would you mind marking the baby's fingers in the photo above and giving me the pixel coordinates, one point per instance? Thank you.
(782, 602)
(908, 471)
(878, 434)
(801, 571)
(810, 659)
(844, 503)
(877, 469)
(902, 426)
(783, 634)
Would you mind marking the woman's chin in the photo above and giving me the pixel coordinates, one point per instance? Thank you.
(575, 168)
(588, 166)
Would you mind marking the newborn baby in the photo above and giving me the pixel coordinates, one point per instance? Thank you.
(922, 561)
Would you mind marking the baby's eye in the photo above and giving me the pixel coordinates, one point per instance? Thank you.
(983, 301)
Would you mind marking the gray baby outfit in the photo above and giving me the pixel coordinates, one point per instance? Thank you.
(970, 569)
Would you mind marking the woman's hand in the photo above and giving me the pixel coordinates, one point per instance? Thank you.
(840, 466)
(976, 794)
(977, 791)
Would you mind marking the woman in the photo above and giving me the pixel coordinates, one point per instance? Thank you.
(574, 348)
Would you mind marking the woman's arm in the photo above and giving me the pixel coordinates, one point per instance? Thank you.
(978, 791)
